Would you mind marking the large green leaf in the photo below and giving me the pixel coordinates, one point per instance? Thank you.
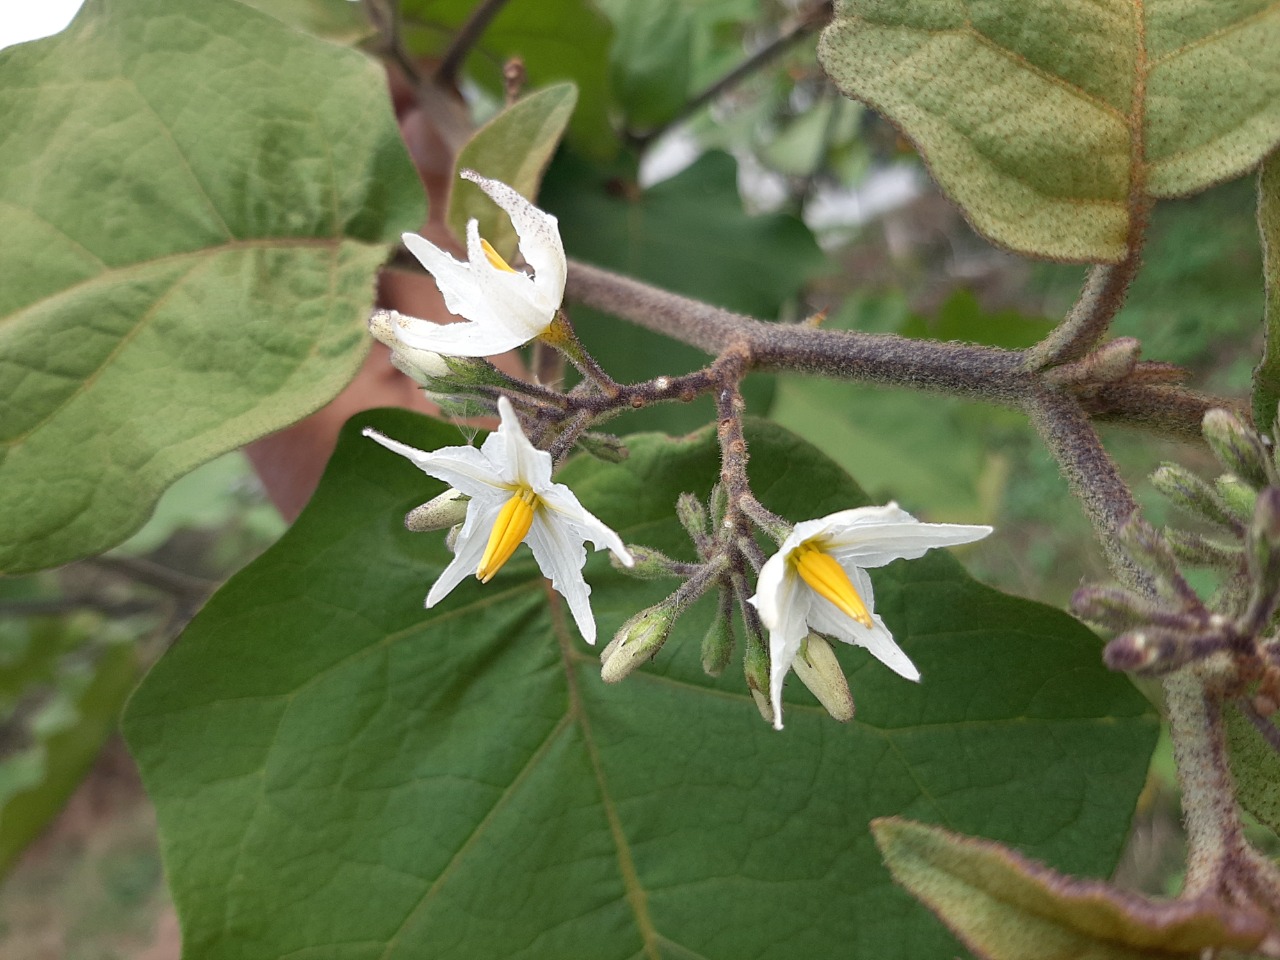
(196, 199)
(1266, 379)
(689, 235)
(514, 147)
(341, 774)
(1040, 117)
(553, 39)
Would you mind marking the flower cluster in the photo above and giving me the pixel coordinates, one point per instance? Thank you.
(815, 586)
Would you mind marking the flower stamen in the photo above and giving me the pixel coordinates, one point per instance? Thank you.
(827, 578)
(509, 531)
(494, 257)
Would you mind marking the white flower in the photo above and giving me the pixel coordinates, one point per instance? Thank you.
(505, 308)
(818, 580)
(513, 501)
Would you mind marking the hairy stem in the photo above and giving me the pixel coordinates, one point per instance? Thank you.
(1215, 834)
(1087, 322)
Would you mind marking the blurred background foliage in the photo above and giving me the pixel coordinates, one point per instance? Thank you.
(786, 201)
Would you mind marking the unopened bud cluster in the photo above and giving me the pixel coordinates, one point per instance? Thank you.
(1232, 636)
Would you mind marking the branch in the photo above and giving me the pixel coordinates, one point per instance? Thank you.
(468, 36)
(807, 21)
(1087, 322)
(1091, 474)
(965, 369)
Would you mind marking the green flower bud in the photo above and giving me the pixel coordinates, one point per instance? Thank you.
(1111, 607)
(692, 516)
(1263, 553)
(1200, 551)
(637, 642)
(1238, 448)
(1237, 495)
(755, 666)
(1143, 544)
(1195, 496)
(649, 564)
(719, 506)
(446, 510)
(718, 643)
(819, 670)
(604, 446)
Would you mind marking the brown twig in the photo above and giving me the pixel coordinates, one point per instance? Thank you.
(468, 36)
(807, 21)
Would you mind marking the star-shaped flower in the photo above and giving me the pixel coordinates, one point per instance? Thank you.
(818, 580)
(505, 308)
(514, 501)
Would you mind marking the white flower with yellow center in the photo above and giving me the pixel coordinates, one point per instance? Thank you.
(514, 501)
(505, 308)
(818, 580)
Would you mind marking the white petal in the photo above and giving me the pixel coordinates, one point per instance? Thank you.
(825, 618)
(521, 461)
(464, 468)
(539, 234)
(561, 556)
(511, 297)
(457, 284)
(770, 585)
(790, 603)
(479, 339)
(874, 546)
(570, 512)
(472, 540)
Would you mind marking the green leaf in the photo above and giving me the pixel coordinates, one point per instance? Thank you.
(1040, 117)
(689, 235)
(650, 63)
(339, 773)
(66, 735)
(341, 21)
(1005, 907)
(554, 39)
(1255, 767)
(514, 147)
(196, 201)
(1266, 378)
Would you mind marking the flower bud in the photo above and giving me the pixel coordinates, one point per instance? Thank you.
(1200, 551)
(446, 510)
(451, 538)
(604, 446)
(755, 666)
(719, 505)
(718, 643)
(1263, 554)
(819, 670)
(1152, 651)
(1186, 490)
(1113, 361)
(637, 642)
(1237, 495)
(692, 516)
(1111, 607)
(649, 564)
(1143, 544)
(424, 366)
(1237, 447)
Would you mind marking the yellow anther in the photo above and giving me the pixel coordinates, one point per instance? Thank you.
(494, 257)
(509, 531)
(827, 578)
